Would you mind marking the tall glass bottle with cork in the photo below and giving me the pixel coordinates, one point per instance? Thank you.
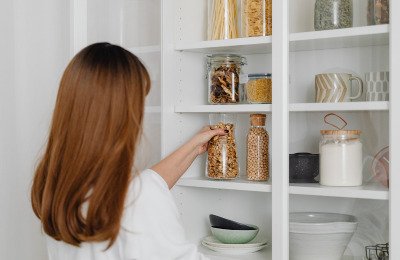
(257, 149)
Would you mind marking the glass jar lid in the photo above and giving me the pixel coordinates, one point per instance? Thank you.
(260, 76)
(340, 132)
(227, 58)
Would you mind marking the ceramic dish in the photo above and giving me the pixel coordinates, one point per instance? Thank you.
(232, 249)
(229, 236)
(220, 222)
(316, 236)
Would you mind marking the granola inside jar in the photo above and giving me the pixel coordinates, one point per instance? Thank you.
(224, 78)
(222, 161)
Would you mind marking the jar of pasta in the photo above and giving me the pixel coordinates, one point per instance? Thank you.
(224, 78)
(256, 18)
(222, 161)
(222, 19)
(259, 89)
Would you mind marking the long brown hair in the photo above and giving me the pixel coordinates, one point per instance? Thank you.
(89, 156)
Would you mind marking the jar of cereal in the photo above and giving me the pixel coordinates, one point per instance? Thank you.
(222, 161)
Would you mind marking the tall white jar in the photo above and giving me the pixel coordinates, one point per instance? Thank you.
(340, 158)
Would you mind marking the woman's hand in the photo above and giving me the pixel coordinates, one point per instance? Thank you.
(200, 140)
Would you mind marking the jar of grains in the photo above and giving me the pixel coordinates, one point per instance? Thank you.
(256, 18)
(333, 14)
(378, 12)
(257, 149)
(340, 158)
(222, 19)
(224, 78)
(259, 89)
(222, 161)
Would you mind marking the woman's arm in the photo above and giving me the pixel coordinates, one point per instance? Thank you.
(175, 165)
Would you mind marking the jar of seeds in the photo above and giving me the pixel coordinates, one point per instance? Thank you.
(224, 78)
(333, 14)
(222, 161)
(257, 149)
(259, 89)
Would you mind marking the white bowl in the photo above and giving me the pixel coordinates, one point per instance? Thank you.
(316, 236)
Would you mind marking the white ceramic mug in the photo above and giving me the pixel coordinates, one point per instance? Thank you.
(377, 86)
(336, 87)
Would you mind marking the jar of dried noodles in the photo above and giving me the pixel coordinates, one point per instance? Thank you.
(224, 78)
(222, 19)
(256, 18)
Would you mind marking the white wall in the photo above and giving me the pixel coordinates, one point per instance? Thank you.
(33, 56)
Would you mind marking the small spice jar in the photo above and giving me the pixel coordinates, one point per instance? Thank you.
(340, 158)
(378, 12)
(333, 14)
(257, 149)
(224, 78)
(259, 89)
(222, 19)
(256, 18)
(222, 161)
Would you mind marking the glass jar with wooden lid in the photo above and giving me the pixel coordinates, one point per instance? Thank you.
(341, 159)
(257, 149)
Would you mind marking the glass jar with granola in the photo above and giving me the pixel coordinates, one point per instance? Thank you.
(222, 161)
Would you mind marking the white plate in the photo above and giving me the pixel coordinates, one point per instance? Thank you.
(213, 242)
(234, 250)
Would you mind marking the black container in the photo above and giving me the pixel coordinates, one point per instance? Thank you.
(303, 167)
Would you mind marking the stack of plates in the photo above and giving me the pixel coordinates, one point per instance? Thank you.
(234, 249)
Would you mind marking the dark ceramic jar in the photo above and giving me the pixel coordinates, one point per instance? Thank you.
(303, 167)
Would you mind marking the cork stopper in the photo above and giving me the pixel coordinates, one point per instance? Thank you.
(258, 119)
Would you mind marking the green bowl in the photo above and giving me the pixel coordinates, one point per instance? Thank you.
(229, 236)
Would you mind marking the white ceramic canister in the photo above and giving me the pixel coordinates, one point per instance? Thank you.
(340, 158)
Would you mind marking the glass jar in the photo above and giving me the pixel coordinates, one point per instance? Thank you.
(256, 18)
(341, 159)
(259, 89)
(257, 149)
(222, 161)
(378, 12)
(222, 19)
(224, 78)
(333, 14)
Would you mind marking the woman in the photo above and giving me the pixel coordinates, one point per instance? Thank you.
(92, 204)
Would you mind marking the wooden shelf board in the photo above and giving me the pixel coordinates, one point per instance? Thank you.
(253, 45)
(345, 106)
(240, 108)
(238, 184)
(340, 38)
(303, 41)
(367, 191)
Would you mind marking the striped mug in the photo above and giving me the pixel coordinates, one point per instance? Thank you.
(336, 87)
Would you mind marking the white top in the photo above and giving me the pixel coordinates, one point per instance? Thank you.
(151, 229)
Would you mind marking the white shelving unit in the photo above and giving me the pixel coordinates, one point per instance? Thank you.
(293, 120)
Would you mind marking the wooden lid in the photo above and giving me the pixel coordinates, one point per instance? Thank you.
(258, 119)
(340, 132)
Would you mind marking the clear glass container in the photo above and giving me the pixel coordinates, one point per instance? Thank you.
(222, 19)
(333, 14)
(224, 78)
(222, 162)
(256, 17)
(341, 158)
(259, 89)
(257, 149)
(378, 12)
